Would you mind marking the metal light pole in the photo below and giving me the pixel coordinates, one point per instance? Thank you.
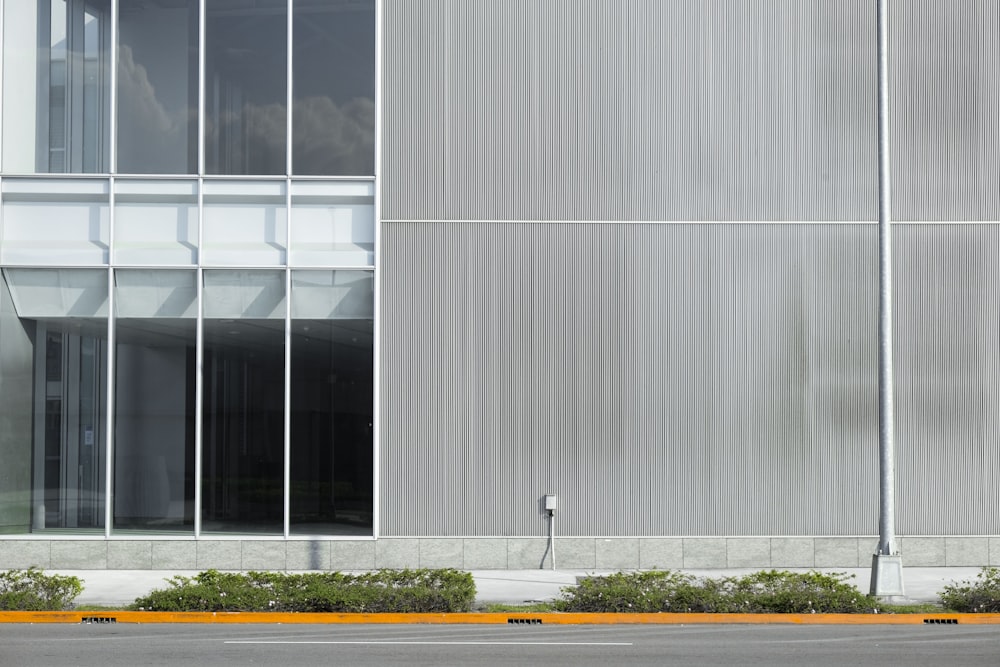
(887, 564)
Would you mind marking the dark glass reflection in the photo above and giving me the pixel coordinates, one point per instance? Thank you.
(333, 127)
(154, 424)
(245, 87)
(158, 87)
(243, 440)
(331, 459)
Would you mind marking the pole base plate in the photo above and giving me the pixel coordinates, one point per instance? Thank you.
(887, 576)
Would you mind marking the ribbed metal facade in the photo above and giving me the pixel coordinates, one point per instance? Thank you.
(948, 379)
(945, 101)
(663, 369)
(685, 110)
(683, 379)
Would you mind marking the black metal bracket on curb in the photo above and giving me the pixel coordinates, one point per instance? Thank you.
(940, 621)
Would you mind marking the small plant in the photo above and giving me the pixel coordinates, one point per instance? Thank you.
(33, 590)
(760, 592)
(979, 596)
(373, 592)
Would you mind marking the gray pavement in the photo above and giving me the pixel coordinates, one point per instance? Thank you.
(127, 645)
(117, 587)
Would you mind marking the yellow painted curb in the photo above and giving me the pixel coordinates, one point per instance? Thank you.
(492, 618)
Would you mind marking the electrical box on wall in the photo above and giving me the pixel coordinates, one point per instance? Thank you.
(550, 502)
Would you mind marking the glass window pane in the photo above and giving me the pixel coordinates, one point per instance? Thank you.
(332, 295)
(155, 336)
(53, 388)
(245, 223)
(333, 224)
(243, 438)
(156, 222)
(56, 89)
(55, 222)
(21, 73)
(156, 294)
(244, 294)
(17, 353)
(332, 235)
(331, 420)
(59, 293)
(245, 87)
(95, 98)
(158, 87)
(244, 397)
(154, 414)
(56, 86)
(333, 129)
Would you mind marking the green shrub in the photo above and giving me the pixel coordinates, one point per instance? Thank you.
(798, 593)
(631, 592)
(979, 596)
(33, 590)
(760, 592)
(380, 591)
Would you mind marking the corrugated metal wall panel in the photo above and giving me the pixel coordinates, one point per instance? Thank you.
(683, 379)
(948, 379)
(650, 110)
(662, 379)
(946, 121)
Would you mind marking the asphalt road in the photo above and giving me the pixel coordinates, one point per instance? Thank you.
(412, 645)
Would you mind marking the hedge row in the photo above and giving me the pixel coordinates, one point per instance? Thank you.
(453, 591)
(760, 592)
(380, 591)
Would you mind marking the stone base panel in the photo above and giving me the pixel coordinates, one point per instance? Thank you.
(491, 553)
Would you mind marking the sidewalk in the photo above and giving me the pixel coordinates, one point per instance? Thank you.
(120, 587)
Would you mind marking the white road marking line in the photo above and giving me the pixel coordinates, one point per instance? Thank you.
(430, 643)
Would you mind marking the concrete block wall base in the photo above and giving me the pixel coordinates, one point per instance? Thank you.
(491, 553)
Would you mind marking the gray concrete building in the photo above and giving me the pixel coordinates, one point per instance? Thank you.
(311, 284)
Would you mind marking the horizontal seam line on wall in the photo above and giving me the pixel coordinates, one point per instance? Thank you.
(692, 222)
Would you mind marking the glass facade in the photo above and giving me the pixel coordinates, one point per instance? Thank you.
(246, 68)
(333, 128)
(158, 87)
(57, 58)
(186, 325)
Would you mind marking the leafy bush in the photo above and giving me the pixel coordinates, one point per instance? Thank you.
(798, 593)
(979, 596)
(380, 591)
(33, 590)
(760, 592)
(633, 592)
